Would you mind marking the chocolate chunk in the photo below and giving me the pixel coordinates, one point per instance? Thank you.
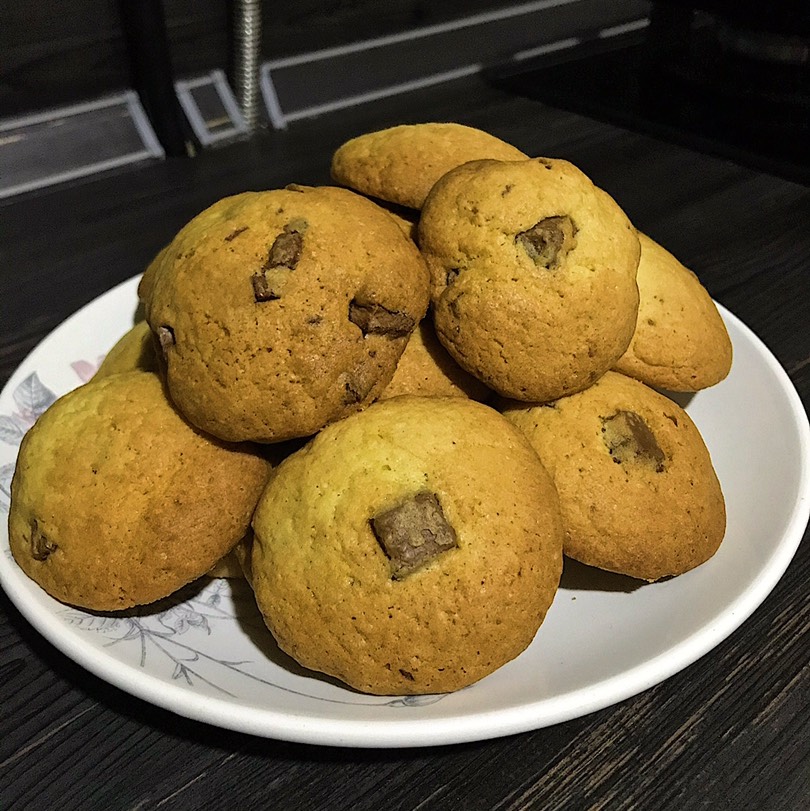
(283, 256)
(165, 335)
(286, 248)
(549, 241)
(234, 234)
(374, 319)
(629, 439)
(413, 533)
(265, 289)
(41, 546)
(358, 384)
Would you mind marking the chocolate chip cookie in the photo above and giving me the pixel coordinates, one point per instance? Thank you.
(533, 275)
(427, 370)
(388, 555)
(400, 164)
(638, 491)
(117, 501)
(280, 311)
(680, 342)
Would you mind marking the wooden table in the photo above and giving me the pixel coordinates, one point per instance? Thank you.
(732, 731)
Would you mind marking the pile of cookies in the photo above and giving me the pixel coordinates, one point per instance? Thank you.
(308, 390)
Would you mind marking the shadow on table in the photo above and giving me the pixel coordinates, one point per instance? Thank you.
(577, 576)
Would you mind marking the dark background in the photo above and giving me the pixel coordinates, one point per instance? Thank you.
(57, 53)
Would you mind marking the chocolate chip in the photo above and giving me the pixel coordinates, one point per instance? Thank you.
(41, 546)
(283, 256)
(286, 248)
(263, 288)
(357, 385)
(549, 241)
(506, 189)
(629, 439)
(234, 234)
(374, 319)
(413, 533)
(166, 338)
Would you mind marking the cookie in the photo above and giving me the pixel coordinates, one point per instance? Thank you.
(281, 311)
(134, 352)
(427, 370)
(532, 275)
(117, 501)
(680, 342)
(387, 554)
(638, 491)
(400, 164)
(147, 280)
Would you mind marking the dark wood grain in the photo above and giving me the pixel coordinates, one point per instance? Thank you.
(732, 731)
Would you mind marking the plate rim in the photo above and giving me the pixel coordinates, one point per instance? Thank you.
(414, 732)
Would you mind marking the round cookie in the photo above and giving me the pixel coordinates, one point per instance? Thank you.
(117, 501)
(400, 164)
(532, 275)
(680, 342)
(388, 555)
(281, 311)
(425, 369)
(638, 491)
(134, 352)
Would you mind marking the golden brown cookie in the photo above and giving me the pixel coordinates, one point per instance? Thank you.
(638, 491)
(400, 164)
(280, 311)
(147, 280)
(388, 555)
(117, 501)
(532, 273)
(680, 342)
(134, 352)
(427, 370)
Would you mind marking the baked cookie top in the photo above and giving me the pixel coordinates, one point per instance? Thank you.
(117, 501)
(388, 555)
(426, 369)
(532, 275)
(680, 342)
(279, 311)
(638, 491)
(400, 164)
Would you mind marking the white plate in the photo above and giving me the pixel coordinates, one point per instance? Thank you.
(206, 654)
